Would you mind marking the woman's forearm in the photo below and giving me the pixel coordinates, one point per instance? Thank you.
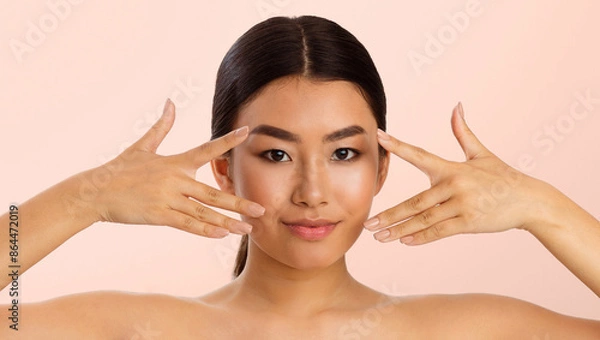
(45, 221)
(571, 234)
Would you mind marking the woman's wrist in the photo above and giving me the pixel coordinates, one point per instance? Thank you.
(549, 210)
(553, 213)
(80, 195)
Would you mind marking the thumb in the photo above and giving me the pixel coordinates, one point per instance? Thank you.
(153, 137)
(470, 145)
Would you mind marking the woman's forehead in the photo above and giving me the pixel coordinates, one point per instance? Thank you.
(295, 101)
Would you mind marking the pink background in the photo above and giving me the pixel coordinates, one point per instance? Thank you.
(99, 76)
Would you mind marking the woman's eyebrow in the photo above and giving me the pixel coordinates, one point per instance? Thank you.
(269, 130)
(346, 132)
(275, 132)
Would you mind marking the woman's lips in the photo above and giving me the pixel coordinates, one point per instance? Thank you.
(311, 230)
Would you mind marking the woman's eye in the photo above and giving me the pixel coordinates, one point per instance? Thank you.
(276, 156)
(344, 154)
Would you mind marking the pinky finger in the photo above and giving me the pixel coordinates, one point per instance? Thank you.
(189, 224)
(440, 230)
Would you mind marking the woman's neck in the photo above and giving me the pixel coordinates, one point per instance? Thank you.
(267, 284)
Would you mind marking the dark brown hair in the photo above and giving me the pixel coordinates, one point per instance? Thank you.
(308, 46)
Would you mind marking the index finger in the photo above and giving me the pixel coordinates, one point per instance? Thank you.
(217, 147)
(419, 157)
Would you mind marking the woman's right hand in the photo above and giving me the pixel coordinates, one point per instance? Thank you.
(141, 187)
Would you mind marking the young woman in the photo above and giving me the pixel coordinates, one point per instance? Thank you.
(299, 150)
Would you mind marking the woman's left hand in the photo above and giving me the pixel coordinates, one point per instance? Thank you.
(481, 195)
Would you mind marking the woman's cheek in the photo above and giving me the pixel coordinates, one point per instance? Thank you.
(259, 182)
(264, 184)
(354, 188)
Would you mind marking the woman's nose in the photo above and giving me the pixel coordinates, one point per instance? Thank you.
(312, 186)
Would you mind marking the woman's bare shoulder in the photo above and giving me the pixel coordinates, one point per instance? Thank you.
(106, 315)
(477, 315)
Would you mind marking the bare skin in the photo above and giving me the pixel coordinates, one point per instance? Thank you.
(112, 315)
(279, 295)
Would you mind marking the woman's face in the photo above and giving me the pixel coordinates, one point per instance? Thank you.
(312, 161)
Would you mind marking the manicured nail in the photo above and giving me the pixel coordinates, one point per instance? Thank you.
(382, 235)
(166, 104)
(461, 111)
(243, 131)
(242, 227)
(382, 135)
(220, 232)
(372, 223)
(407, 239)
(256, 210)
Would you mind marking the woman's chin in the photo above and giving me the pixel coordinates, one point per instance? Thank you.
(311, 262)
(302, 255)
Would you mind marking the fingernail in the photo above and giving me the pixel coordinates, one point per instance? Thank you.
(461, 111)
(166, 104)
(372, 223)
(243, 131)
(407, 239)
(220, 232)
(256, 210)
(383, 135)
(243, 227)
(382, 235)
